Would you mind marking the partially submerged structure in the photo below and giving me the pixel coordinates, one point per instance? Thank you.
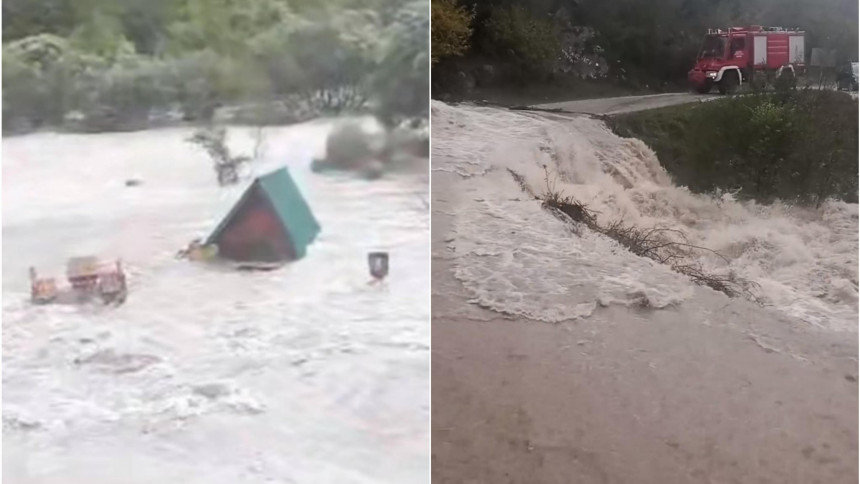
(88, 277)
(271, 223)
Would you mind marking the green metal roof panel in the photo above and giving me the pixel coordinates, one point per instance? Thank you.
(292, 209)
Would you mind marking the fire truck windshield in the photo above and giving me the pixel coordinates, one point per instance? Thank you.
(714, 46)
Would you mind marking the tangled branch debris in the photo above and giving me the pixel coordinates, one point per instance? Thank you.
(522, 183)
(660, 244)
(214, 141)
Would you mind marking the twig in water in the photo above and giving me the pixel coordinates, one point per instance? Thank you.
(659, 244)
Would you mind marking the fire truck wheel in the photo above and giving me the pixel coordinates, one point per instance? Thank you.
(786, 80)
(729, 83)
(704, 88)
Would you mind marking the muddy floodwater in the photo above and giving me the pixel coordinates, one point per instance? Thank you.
(206, 374)
(576, 361)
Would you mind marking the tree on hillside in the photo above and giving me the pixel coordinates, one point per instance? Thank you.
(317, 67)
(451, 29)
(24, 18)
(402, 79)
(122, 60)
(646, 42)
(531, 42)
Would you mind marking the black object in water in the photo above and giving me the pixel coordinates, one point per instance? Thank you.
(378, 262)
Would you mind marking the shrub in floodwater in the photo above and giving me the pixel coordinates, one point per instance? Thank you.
(227, 166)
(409, 138)
(354, 146)
(350, 145)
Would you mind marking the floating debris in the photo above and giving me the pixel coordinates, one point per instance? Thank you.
(378, 262)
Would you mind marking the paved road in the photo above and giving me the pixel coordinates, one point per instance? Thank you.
(632, 396)
(626, 104)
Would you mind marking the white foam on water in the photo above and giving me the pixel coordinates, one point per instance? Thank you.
(517, 258)
(205, 374)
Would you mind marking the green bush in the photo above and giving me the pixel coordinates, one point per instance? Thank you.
(23, 95)
(325, 66)
(532, 44)
(101, 35)
(278, 66)
(35, 74)
(203, 80)
(798, 146)
(451, 30)
(122, 96)
(350, 145)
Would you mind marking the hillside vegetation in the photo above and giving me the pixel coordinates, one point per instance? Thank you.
(119, 64)
(798, 146)
(633, 44)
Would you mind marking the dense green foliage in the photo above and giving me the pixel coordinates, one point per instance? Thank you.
(529, 41)
(643, 42)
(797, 145)
(451, 30)
(115, 64)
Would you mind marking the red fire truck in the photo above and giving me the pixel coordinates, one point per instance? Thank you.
(729, 58)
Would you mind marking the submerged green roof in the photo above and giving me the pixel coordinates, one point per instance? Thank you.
(291, 208)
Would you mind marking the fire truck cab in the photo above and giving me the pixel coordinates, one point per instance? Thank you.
(729, 58)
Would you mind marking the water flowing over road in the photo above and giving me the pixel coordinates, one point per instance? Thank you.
(576, 361)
